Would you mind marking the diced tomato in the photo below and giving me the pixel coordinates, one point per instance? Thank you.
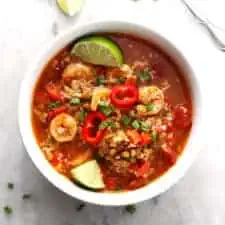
(54, 92)
(137, 183)
(171, 139)
(134, 137)
(112, 183)
(146, 138)
(143, 169)
(169, 153)
(41, 98)
(55, 112)
(182, 116)
(58, 157)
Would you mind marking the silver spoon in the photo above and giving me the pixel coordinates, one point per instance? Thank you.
(208, 26)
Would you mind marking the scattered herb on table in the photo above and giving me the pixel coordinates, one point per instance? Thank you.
(26, 196)
(80, 207)
(130, 209)
(10, 185)
(8, 210)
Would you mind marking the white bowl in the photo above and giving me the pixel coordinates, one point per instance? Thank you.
(113, 199)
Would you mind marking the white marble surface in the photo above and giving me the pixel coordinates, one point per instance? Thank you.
(25, 26)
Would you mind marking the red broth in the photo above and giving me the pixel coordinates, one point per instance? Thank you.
(153, 140)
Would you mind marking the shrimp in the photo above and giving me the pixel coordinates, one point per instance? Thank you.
(78, 71)
(63, 128)
(153, 99)
(123, 72)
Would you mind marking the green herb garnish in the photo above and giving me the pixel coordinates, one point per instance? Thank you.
(145, 75)
(130, 209)
(10, 185)
(150, 107)
(125, 120)
(105, 108)
(154, 136)
(100, 80)
(145, 127)
(120, 80)
(107, 123)
(80, 207)
(26, 196)
(54, 105)
(82, 115)
(136, 124)
(75, 101)
(8, 210)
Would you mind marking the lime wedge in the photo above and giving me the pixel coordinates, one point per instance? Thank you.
(89, 175)
(98, 50)
(70, 7)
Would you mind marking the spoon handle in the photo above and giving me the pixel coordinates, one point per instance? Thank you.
(209, 27)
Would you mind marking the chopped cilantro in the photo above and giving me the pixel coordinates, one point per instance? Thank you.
(145, 75)
(120, 80)
(100, 80)
(8, 210)
(10, 185)
(82, 115)
(105, 108)
(54, 105)
(107, 123)
(75, 101)
(154, 136)
(80, 207)
(26, 196)
(130, 209)
(136, 124)
(145, 127)
(150, 107)
(125, 120)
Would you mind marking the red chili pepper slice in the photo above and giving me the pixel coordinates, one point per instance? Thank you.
(182, 116)
(55, 112)
(124, 96)
(54, 92)
(91, 132)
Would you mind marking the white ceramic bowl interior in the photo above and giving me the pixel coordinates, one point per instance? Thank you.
(114, 199)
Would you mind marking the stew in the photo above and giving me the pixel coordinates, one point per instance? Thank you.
(112, 128)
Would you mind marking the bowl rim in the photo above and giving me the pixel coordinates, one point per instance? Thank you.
(155, 188)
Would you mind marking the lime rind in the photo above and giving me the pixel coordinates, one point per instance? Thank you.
(89, 175)
(98, 50)
(70, 7)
